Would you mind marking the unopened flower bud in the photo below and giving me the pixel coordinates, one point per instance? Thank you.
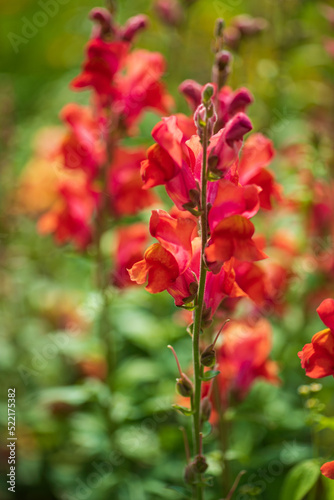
(104, 20)
(169, 12)
(192, 91)
(237, 127)
(241, 99)
(207, 93)
(223, 59)
(133, 26)
(184, 386)
(249, 26)
(208, 356)
(219, 27)
(206, 408)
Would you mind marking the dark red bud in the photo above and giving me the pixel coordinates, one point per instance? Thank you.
(248, 25)
(104, 19)
(192, 92)
(169, 12)
(241, 99)
(223, 59)
(219, 27)
(206, 409)
(133, 26)
(236, 128)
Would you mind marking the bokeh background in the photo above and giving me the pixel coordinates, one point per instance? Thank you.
(79, 437)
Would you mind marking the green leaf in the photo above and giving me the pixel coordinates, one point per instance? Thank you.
(300, 480)
(209, 375)
(182, 491)
(185, 411)
(206, 429)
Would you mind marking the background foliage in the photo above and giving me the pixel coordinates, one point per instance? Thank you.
(49, 349)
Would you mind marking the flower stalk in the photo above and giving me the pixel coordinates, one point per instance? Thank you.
(196, 402)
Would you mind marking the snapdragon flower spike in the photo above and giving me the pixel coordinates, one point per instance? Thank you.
(317, 358)
(184, 385)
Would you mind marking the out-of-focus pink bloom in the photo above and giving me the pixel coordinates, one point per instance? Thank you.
(139, 87)
(130, 244)
(70, 216)
(125, 185)
(169, 12)
(103, 61)
(83, 147)
(244, 358)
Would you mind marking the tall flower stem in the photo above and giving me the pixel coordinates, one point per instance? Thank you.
(198, 316)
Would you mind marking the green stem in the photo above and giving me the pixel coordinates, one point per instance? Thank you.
(198, 314)
(102, 272)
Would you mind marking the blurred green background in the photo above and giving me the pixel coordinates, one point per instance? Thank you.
(79, 438)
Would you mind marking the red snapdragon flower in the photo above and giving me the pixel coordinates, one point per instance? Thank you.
(327, 470)
(257, 153)
(231, 229)
(317, 358)
(168, 260)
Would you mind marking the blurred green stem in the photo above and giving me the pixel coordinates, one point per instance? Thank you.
(198, 315)
(102, 272)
